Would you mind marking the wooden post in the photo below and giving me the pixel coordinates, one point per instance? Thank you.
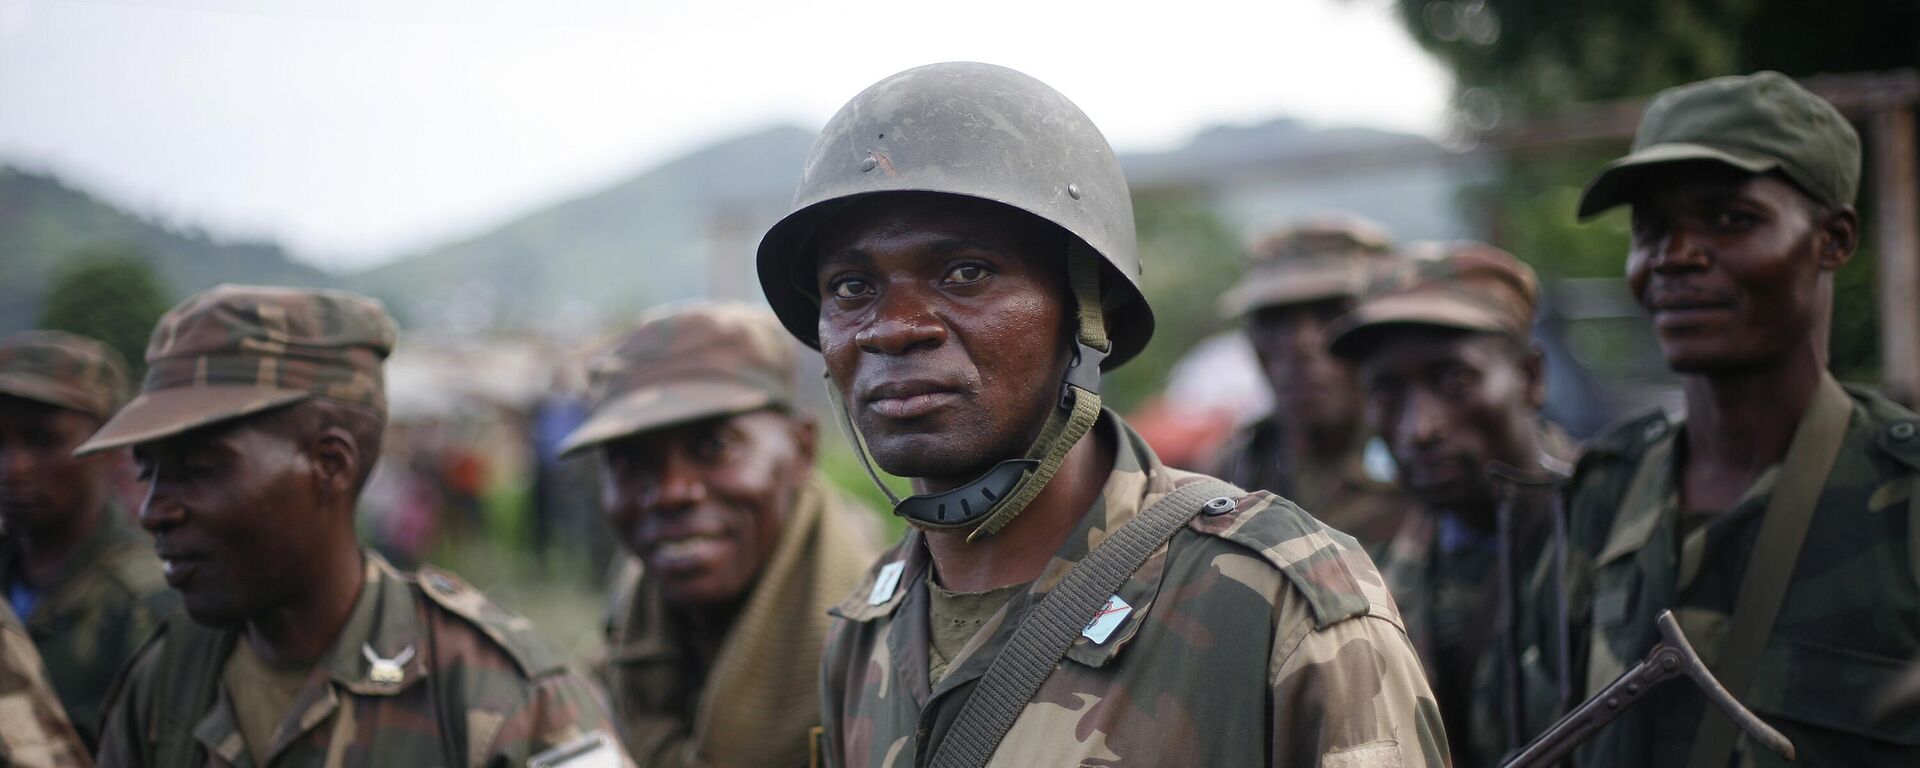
(1898, 195)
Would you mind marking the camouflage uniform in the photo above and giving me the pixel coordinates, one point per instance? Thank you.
(1850, 617)
(34, 731)
(1262, 587)
(423, 672)
(108, 596)
(1444, 574)
(1317, 260)
(750, 705)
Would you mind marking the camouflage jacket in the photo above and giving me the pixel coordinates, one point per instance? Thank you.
(1345, 492)
(474, 666)
(34, 731)
(1849, 623)
(753, 705)
(1255, 637)
(95, 612)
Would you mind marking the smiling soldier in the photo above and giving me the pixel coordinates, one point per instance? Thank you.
(1778, 520)
(257, 426)
(1453, 383)
(708, 479)
(85, 583)
(962, 252)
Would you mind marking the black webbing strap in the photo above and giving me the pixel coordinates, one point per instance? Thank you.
(1050, 628)
(1803, 473)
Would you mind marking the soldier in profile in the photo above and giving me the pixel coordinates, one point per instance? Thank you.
(256, 429)
(739, 547)
(1314, 447)
(85, 584)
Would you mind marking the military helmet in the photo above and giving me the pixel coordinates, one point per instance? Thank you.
(976, 130)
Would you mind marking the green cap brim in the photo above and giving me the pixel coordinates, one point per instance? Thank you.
(164, 413)
(42, 391)
(1352, 334)
(1263, 291)
(1613, 186)
(664, 405)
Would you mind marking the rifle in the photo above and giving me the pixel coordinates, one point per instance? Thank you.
(1672, 657)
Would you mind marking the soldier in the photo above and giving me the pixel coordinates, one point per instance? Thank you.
(708, 479)
(1314, 448)
(1454, 384)
(34, 730)
(256, 429)
(85, 582)
(1777, 519)
(962, 252)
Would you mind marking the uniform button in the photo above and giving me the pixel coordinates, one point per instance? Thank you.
(1901, 431)
(1655, 431)
(1219, 505)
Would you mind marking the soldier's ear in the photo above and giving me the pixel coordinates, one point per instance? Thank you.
(1840, 230)
(1533, 365)
(337, 459)
(805, 439)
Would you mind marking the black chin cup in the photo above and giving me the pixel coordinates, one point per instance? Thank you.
(1083, 372)
(968, 504)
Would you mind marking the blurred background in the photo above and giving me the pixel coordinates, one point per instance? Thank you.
(516, 180)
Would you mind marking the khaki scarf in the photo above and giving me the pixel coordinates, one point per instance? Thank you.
(763, 693)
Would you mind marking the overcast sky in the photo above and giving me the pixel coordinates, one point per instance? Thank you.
(357, 130)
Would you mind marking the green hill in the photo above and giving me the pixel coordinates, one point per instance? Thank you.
(685, 228)
(44, 222)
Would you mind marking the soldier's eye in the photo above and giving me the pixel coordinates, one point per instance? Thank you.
(849, 288)
(967, 273)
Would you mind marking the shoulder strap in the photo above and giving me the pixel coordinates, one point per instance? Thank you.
(186, 680)
(1050, 628)
(1810, 457)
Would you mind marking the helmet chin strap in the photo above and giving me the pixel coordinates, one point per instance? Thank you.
(988, 502)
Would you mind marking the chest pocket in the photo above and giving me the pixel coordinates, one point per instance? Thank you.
(1829, 688)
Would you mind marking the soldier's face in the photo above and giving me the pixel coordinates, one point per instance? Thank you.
(234, 513)
(43, 487)
(1311, 387)
(945, 325)
(703, 504)
(1730, 265)
(1446, 402)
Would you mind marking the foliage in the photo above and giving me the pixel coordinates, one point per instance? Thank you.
(1513, 59)
(1190, 258)
(111, 294)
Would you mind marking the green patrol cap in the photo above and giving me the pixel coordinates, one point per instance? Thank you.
(686, 362)
(1322, 257)
(1461, 284)
(237, 350)
(1757, 123)
(65, 370)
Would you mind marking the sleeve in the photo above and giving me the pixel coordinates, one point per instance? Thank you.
(1352, 694)
(832, 690)
(562, 712)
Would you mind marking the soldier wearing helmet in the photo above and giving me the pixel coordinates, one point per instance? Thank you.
(961, 251)
(1314, 448)
(1778, 519)
(258, 425)
(84, 582)
(707, 476)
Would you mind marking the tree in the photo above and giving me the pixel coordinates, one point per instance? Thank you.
(1516, 59)
(108, 292)
(1190, 257)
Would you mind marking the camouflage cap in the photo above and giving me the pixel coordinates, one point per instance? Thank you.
(63, 369)
(1757, 123)
(1323, 257)
(1461, 284)
(236, 350)
(686, 362)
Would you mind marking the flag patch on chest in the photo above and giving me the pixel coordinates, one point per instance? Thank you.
(1107, 620)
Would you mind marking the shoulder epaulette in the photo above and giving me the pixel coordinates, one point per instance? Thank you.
(1897, 428)
(1313, 557)
(1627, 438)
(514, 634)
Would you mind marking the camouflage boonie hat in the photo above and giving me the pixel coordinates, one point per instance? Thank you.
(236, 350)
(1462, 284)
(1323, 257)
(65, 370)
(683, 363)
(1757, 123)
